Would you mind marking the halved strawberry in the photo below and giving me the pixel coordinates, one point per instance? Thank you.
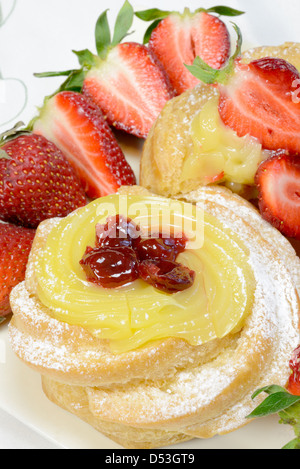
(278, 183)
(77, 127)
(258, 100)
(15, 246)
(130, 87)
(294, 380)
(125, 80)
(176, 39)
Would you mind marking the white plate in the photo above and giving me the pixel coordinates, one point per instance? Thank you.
(39, 36)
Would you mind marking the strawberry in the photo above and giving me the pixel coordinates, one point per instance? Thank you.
(125, 80)
(130, 87)
(15, 246)
(257, 99)
(294, 380)
(76, 125)
(36, 181)
(278, 183)
(176, 39)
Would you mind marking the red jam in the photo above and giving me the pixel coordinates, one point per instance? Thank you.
(110, 267)
(167, 276)
(121, 256)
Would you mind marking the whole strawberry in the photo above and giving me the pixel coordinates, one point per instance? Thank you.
(15, 246)
(36, 182)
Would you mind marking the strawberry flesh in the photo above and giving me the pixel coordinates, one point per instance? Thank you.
(77, 126)
(130, 87)
(258, 100)
(178, 39)
(37, 182)
(15, 246)
(278, 183)
(294, 380)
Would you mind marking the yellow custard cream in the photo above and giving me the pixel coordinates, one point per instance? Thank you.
(130, 316)
(218, 153)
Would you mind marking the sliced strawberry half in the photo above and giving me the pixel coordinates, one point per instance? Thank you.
(78, 128)
(258, 100)
(294, 380)
(179, 39)
(278, 183)
(124, 79)
(130, 87)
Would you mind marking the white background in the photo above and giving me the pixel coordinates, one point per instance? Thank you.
(39, 36)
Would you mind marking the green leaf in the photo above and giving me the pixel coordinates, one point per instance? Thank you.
(152, 14)
(102, 35)
(150, 30)
(209, 75)
(274, 403)
(269, 390)
(53, 74)
(225, 11)
(294, 444)
(10, 134)
(74, 82)
(123, 23)
(202, 71)
(4, 156)
(2, 320)
(85, 57)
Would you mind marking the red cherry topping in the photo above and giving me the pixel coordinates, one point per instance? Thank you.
(118, 231)
(167, 276)
(122, 256)
(160, 248)
(110, 267)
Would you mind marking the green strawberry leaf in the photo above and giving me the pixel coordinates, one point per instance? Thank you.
(74, 82)
(102, 35)
(152, 14)
(11, 134)
(274, 404)
(149, 31)
(283, 403)
(64, 73)
(4, 156)
(222, 11)
(210, 75)
(294, 444)
(123, 23)
(85, 58)
(2, 320)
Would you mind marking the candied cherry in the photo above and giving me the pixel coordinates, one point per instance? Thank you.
(110, 267)
(165, 275)
(121, 256)
(160, 248)
(118, 231)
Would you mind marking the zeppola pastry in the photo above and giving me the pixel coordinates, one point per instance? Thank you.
(159, 308)
(190, 360)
